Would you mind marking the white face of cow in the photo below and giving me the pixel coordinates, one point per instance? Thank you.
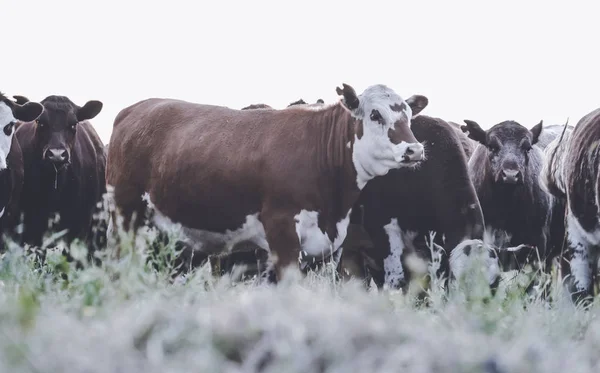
(383, 139)
(7, 124)
(10, 113)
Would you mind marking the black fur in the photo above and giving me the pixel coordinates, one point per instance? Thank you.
(438, 196)
(72, 188)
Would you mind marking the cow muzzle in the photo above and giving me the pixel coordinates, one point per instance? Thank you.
(409, 153)
(511, 177)
(58, 156)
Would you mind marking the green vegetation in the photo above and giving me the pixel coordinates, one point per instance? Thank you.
(129, 316)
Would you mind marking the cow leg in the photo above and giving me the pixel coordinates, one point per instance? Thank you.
(576, 267)
(284, 243)
(392, 264)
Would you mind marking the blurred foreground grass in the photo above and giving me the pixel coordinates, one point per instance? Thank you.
(127, 316)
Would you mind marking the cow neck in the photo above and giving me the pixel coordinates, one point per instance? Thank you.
(54, 174)
(336, 142)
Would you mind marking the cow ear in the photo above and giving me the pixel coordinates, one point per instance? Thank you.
(89, 110)
(28, 112)
(299, 102)
(536, 131)
(350, 100)
(21, 100)
(417, 103)
(474, 131)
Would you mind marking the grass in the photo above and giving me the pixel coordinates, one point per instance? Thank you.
(128, 316)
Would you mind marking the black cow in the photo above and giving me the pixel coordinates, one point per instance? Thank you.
(11, 159)
(571, 174)
(437, 197)
(65, 166)
(505, 169)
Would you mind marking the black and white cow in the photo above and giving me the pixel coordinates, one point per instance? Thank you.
(571, 173)
(399, 210)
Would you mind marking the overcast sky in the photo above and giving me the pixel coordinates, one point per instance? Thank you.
(520, 60)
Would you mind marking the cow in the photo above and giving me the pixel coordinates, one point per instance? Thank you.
(571, 174)
(437, 197)
(285, 180)
(11, 160)
(64, 163)
(505, 169)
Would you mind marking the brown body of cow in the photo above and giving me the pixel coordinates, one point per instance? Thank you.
(284, 180)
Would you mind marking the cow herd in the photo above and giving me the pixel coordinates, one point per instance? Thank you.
(361, 182)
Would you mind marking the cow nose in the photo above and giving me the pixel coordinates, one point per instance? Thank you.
(57, 155)
(414, 153)
(511, 176)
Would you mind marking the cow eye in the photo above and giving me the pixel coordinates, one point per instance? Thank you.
(494, 148)
(376, 116)
(8, 128)
(527, 147)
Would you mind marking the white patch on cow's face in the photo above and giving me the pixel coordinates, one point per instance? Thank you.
(252, 231)
(313, 241)
(6, 117)
(392, 264)
(383, 112)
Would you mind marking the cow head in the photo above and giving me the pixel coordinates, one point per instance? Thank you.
(10, 113)
(383, 138)
(508, 145)
(56, 128)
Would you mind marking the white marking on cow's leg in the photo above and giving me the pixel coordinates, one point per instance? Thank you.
(6, 117)
(392, 264)
(580, 264)
(2, 212)
(313, 241)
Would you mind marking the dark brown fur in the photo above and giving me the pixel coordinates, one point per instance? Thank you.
(76, 188)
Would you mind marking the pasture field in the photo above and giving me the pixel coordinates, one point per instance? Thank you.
(130, 316)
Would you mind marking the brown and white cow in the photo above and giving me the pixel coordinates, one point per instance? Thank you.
(11, 158)
(284, 180)
(571, 172)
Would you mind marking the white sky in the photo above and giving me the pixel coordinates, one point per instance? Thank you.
(520, 60)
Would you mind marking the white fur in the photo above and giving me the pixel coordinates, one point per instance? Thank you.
(460, 262)
(374, 154)
(313, 241)
(580, 240)
(392, 264)
(557, 147)
(2, 212)
(6, 117)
